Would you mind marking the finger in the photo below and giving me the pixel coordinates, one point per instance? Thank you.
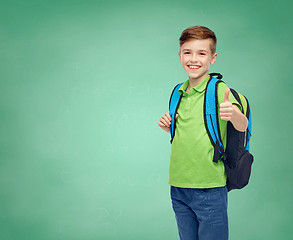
(166, 124)
(162, 125)
(166, 119)
(226, 110)
(167, 115)
(226, 118)
(226, 96)
(226, 115)
(225, 105)
(165, 128)
(176, 116)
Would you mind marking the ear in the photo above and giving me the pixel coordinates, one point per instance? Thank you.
(179, 53)
(214, 57)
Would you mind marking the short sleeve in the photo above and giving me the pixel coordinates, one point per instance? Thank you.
(221, 93)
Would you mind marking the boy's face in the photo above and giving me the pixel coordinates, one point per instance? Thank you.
(196, 57)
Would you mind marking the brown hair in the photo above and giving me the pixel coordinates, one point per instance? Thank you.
(199, 32)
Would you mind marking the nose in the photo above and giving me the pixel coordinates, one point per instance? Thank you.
(194, 57)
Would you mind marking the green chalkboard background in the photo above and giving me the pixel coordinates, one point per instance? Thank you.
(83, 85)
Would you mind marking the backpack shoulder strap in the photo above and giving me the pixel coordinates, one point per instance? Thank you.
(243, 101)
(237, 97)
(248, 131)
(211, 115)
(174, 101)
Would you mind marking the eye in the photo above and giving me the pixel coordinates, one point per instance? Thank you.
(186, 52)
(202, 53)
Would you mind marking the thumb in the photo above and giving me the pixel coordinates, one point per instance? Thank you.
(176, 116)
(226, 96)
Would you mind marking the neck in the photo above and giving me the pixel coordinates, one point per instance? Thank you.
(195, 81)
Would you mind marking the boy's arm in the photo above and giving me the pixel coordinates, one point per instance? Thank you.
(230, 112)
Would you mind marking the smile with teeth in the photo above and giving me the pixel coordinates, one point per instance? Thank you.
(193, 67)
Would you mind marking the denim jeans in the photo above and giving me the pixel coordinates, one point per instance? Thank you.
(201, 214)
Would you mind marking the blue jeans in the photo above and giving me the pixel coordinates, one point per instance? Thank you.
(201, 214)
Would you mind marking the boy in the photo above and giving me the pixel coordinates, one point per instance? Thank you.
(198, 185)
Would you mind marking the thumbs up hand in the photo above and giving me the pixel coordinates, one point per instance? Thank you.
(227, 110)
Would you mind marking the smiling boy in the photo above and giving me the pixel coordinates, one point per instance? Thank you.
(197, 184)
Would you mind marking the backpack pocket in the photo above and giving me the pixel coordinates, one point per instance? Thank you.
(243, 169)
(239, 174)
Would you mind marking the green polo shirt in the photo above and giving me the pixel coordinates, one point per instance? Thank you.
(191, 161)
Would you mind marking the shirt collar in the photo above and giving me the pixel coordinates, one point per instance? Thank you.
(198, 88)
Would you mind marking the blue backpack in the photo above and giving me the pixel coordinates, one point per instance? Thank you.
(236, 158)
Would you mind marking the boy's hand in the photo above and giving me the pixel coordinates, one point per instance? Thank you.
(165, 122)
(227, 110)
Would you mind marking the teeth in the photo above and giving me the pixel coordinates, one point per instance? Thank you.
(194, 67)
